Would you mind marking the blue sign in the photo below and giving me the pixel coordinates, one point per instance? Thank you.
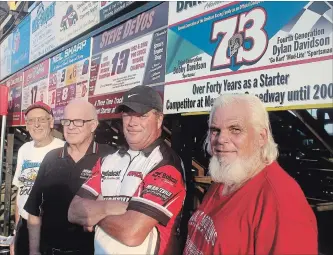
(184, 35)
(71, 55)
(6, 56)
(21, 45)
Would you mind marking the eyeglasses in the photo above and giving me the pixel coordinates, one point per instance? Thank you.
(41, 120)
(76, 123)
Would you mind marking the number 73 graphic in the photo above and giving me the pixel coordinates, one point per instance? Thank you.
(244, 40)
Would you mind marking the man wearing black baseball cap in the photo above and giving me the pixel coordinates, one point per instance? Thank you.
(142, 186)
(39, 123)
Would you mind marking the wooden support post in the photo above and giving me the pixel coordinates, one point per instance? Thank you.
(8, 181)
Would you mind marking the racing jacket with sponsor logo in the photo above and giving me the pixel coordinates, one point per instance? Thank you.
(152, 181)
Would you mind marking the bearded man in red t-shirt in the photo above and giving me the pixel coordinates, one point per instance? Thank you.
(253, 205)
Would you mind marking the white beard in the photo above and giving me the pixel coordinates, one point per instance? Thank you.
(234, 173)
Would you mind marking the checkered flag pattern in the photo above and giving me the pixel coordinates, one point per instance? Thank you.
(314, 15)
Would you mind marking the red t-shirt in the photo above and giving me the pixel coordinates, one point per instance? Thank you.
(268, 215)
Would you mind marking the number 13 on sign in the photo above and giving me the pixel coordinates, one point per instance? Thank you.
(243, 38)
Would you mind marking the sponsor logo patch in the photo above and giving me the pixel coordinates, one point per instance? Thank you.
(118, 198)
(157, 191)
(135, 174)
(165, 177)
(85, 174)
(111, 174)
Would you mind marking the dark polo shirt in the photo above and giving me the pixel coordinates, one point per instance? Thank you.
(58, 180)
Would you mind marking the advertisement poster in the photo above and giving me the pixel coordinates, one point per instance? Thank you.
(35, 87)
(106, 104)
(73, 18)
(249, 47)
(110, 8)
(69, 76)
(128, 55)
(6, 57)
(21, 45)
(14, 85)
(43, 30)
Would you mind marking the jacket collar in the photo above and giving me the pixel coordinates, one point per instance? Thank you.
(92, 149)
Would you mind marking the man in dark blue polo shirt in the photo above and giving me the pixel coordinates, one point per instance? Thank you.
(60, 176)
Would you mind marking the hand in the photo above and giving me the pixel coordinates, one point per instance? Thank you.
(88, 229)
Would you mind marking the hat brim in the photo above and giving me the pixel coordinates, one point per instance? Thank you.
(136, 107)
(37, 107)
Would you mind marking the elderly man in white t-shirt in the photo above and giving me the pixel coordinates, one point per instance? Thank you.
(39, 121)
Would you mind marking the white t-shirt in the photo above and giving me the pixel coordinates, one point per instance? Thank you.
(29, 159)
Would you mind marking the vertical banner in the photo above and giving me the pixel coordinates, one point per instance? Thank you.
(110, 8)
(14, 84)
(6, 57)
(21, 45)
(3, 100)
(73, 18)
(249, 47)
(35, 87)
(128, 55)
(43, 32)
(69, 76)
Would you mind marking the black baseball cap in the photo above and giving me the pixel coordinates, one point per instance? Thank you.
(141, 99)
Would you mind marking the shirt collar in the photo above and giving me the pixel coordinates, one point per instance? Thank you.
(123, 149)
(92, 149)
(146, 151)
